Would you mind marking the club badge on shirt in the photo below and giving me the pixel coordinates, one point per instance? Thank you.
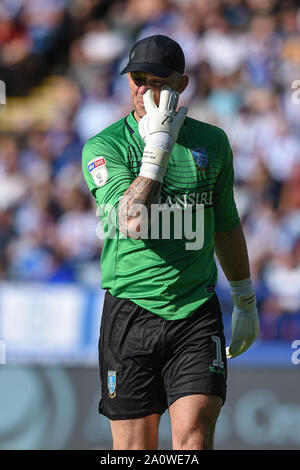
(98, 170)
(201, 158)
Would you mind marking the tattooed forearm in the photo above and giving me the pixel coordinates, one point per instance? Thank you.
(134, 211)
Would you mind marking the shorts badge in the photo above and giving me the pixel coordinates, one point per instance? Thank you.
(112, 383)
(201, 158)
(98, 170)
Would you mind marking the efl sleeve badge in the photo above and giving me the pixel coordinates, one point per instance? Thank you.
(98, 171)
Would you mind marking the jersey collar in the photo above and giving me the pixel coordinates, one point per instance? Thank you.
(131, 123)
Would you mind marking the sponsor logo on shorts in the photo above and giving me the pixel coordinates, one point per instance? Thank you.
(112, 383)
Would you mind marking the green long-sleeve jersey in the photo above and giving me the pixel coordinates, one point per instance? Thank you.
(170, 270)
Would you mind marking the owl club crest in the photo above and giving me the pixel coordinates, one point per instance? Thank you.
(201, 158)
(112, 383)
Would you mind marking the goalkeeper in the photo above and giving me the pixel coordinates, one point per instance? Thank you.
(163, 183)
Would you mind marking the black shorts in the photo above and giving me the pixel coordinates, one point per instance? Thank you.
(146, 362)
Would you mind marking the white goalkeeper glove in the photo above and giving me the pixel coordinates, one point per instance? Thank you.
(245, 321)
(159, 129)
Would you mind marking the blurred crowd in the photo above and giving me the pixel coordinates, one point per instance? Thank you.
(243, 60)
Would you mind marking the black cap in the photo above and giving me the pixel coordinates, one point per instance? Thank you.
(158, 55)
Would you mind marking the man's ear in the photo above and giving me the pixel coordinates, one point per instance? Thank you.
(183, 83)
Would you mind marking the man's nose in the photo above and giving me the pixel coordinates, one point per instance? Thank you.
(143, 88)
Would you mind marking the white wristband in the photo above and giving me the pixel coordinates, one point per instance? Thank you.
(158, 149)
(156, 156)
(160, 140)
(152, 171)
(243, 293)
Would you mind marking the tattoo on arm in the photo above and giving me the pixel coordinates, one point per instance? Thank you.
(142, 192)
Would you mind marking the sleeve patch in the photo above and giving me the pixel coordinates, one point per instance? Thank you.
(95, 163)
(98, 170)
